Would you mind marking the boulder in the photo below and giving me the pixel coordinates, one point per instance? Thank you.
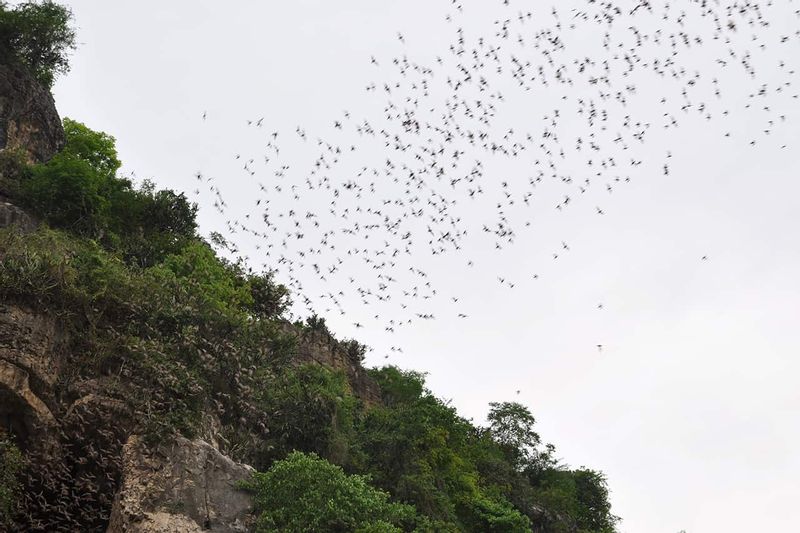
(11, 215)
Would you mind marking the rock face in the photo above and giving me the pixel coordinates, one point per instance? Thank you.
(28, 369)
(186, 486)
(28, 117)
(320, 349)
(11, 215)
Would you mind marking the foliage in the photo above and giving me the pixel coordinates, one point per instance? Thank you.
(399, 387)
(175, 341)
(184, 333)
(10, 467)
(305, 493)
(582, 495)
(13, 166)
(354, 350)
(422, 452)
(78, 190)
(38, 35)
(269, 298)
(198, 266)
(309, 409)
(97, 149)
(511, 425)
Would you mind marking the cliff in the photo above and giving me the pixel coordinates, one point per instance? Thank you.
(88, 466)
(145, 379)
(28, 117)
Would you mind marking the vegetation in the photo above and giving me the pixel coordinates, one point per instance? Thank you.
(306, 493)
(177, 331)
(78, 190)
(10, 466)
(39, 36)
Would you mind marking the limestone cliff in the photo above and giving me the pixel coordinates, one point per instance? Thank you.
(28, 117)
(88, 468)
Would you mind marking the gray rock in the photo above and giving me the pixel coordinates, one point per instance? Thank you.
(28, 117)
(11, 215)
(184, 486)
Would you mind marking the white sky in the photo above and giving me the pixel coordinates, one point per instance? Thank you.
(691, 406)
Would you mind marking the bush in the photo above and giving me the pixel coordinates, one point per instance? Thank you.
(75, 188)
(69, 194)
(78, 190)
(308, 409)
(13, 166)
(39, 36)
(305, 493)
(581, 496)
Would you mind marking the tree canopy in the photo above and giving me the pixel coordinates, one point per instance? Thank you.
(39, 36)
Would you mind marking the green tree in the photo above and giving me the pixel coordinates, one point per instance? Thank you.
(422, 452)
(79, 190)
(69, 194)
(74, 189)
(220, 283)
(305, 493)
(148, 224)
(511, 425)
(270, 299)
(594, 509)
(96, 148)
(39, 36)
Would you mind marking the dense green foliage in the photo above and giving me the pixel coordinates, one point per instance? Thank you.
(311, 410)
(79, 190)
(422, 451)
(38, 35)
(178, 332)
(306, 493)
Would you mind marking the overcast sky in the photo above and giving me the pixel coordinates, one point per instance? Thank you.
(691, 406)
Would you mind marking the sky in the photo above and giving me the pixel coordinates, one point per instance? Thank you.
(652, 322)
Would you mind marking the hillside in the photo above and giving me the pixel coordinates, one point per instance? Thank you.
(147, 383)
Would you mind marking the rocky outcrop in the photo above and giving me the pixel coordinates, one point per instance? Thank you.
(185, 486)
(28, 370)
(23, 411)
(33, 342)
(11, 215)
(322, 349)
(28, 117)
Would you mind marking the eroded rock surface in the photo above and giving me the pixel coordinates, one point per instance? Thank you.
(11, 215)
(314, 347)
(182, 486)
(28, 369)
(28, 117)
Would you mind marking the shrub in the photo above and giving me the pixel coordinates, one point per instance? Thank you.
(307, 408)
(78, 190)
(305, 493)
(74, 189)
(68, 193)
